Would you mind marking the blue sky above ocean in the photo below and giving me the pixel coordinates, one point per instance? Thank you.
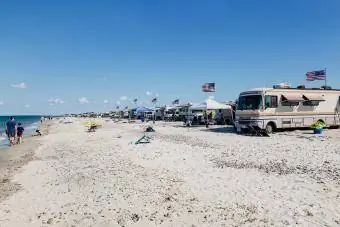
(72, 56)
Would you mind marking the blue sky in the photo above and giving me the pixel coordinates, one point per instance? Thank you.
(103, 50)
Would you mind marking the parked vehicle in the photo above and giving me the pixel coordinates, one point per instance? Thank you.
(282, 108)
(193, 115)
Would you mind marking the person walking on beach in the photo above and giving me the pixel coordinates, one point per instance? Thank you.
(20, 133)
(11, 130)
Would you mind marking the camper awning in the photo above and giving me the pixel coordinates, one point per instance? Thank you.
(291, 98)
(210, 104)
(311, 97)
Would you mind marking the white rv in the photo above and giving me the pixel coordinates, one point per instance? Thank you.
(280, 108)
(190, 113)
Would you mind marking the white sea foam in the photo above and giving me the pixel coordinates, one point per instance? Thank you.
(2, 137)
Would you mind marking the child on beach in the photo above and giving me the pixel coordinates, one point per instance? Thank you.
(20, 133)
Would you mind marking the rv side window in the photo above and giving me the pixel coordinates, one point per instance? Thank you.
(311, 103)
(271, 101)
(289, 103)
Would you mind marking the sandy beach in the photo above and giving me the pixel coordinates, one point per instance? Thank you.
(12, 159)
(184, 177)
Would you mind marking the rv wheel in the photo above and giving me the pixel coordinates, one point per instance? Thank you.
(270, 128)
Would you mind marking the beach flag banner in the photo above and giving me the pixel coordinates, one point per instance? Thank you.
(154, 100)
(117, 107)
(175, 102)
(208, 87)
(135, 100)
(126, 107)
(316, 75)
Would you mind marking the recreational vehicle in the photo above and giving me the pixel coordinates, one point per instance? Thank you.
(282, 108)
(172, 113)
(192, 114)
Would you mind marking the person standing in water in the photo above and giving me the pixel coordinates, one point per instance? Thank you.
(11, 130)
(20, 133)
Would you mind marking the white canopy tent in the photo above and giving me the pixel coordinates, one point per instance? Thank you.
(167, 108)
(210, 104)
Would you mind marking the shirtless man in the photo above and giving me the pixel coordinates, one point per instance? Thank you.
(11, 130)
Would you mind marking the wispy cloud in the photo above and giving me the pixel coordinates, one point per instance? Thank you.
(157, 95)
(211, 97)
(21, 85)
(106, 101)
(118, 102)
(56, 101)
(123, 98)
(83, 100)
(2, 103)
(148, 93)
(27, 106)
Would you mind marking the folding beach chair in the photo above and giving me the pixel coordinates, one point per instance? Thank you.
(187, 123)
(256, 131)
(263, 132)
(92, 128)
(252, 131)
(144, 139)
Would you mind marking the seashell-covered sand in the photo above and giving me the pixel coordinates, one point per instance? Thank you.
(183, 177)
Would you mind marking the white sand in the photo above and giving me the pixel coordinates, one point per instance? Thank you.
(184, 177)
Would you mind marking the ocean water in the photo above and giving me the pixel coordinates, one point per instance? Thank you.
(30, 124)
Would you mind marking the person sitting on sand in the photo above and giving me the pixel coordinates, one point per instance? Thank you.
(38, 132)
(11, 130)
(20, 133)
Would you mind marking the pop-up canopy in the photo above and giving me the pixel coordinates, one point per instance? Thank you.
(143, 109)
(210, 104)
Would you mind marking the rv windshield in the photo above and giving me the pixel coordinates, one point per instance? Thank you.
(249, 102)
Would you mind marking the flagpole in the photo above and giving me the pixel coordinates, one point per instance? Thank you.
(325, 78)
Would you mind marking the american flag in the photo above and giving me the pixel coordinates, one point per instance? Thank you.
(175, 102)
(154, 100)
(316, 75)
(208, 87)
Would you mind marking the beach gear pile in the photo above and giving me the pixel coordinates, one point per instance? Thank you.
(318, 127)
(92, 126)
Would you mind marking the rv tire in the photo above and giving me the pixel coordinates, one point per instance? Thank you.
(270, 127)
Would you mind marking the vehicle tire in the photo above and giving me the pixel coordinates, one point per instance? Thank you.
(270, 128)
